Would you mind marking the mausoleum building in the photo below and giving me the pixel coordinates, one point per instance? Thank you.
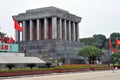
(51, 31)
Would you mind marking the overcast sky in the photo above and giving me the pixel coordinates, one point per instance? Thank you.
(98, 16)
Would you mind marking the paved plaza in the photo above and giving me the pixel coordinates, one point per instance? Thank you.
(96, 75)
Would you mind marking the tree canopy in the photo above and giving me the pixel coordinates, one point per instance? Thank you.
(91, 53)
(115, 58)
(100, 41)
(97, 40)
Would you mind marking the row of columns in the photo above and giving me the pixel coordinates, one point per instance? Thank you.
(49, 28)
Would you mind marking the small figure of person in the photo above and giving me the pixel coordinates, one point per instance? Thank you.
(113, 68)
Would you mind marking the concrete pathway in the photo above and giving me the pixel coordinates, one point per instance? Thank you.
(96, 75)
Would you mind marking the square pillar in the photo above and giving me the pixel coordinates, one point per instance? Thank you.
(69, 30)
(77, 31)
(24, 30)
(31, 30)
(73, 31)
(60, 28)
(45, 28)
(16, 35)
(38, 29)
(65, 30)
(54, 28)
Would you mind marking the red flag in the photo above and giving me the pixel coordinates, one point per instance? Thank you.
(17, 26)
(114, 50)
(110, 43)
(12, 40)
(7, 39)
(3, 40)
(117, 41)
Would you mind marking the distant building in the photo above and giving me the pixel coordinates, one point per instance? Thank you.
(49, 31)
(9, 54)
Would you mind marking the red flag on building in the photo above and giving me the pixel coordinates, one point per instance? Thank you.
(17, 26)
(3, 40)
(7, 39)
(117, 42)
(12, 40)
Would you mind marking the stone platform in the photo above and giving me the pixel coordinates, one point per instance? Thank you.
(54, 48)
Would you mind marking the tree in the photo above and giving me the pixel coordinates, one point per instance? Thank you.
(88, 41)
(97, 40)
(31, 65)
(10, 66)
(91, 53)
(101, 39)
(115, 58)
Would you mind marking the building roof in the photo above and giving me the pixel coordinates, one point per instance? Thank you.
(47, 12)
(51, 8)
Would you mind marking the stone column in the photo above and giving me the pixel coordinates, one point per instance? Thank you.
(69, 30)
(73, 31)
(60, 28)
(54, 28)
(31, 30)
(24, 30)
(77, 31)
(45, 28)
(38, 29)
(65, 30)
(16, 35)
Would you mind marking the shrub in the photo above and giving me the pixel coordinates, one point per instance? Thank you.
(62, 60)
(81, 66)
(10, 66)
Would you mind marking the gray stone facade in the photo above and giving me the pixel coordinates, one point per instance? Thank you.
(54, 48)
(50, 31)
